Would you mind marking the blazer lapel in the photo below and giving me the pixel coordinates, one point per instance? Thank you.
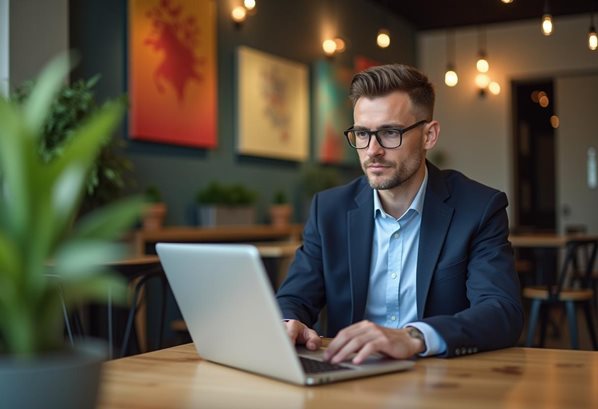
(436, 218)
(360, 227)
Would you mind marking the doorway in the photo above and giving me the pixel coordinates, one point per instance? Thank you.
(534, 155)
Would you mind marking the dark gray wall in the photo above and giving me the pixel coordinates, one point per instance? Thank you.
(37, 31)
(287, 28)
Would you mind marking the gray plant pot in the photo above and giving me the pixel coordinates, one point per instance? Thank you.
(66, 379)
(226, 215)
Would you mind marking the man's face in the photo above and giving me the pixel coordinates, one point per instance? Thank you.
(390, 168)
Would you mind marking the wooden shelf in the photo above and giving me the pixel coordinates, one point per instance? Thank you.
(146, 239)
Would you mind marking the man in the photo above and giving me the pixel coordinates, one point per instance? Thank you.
(407, 259)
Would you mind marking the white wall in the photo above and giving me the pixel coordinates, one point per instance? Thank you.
(578, 111)
(38, 31)
(476, 133)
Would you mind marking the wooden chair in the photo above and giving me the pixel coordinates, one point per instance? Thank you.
(572, 288)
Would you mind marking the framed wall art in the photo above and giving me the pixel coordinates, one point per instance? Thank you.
(272, 106)
(333, 113)
(172, 72)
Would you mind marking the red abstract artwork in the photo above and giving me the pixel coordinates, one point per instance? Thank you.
(172, 71)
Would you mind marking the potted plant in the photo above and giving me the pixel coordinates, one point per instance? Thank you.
(220, 204)
(48, 258)
(155, 209)
(280, 211)
(316, 178)
(73, 103)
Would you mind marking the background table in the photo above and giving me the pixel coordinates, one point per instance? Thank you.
(510, 378)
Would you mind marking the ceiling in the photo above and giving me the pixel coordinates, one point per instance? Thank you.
(442, 14)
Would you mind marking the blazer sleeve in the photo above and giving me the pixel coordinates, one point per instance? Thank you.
(494, 316)
(302, 294)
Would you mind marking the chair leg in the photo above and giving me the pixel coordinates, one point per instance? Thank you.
(164, 285)
(132, 313)
(545, 311)
(533, 322)
(587, 308)
(572, 318)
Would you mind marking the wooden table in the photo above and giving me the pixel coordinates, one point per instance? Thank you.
(544, 240)
(544, 246)
(510, 378)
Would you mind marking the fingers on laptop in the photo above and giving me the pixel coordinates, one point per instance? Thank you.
(302, 334)
(366, 338)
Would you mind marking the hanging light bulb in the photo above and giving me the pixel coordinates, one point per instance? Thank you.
(450, 76)
(482, 64)
(507, 1)
(329, 47)
(340, 45)
(249, 4)
(592, 39)
(547, 24)
(494, 88)
(383, 38)
(482, 81)
(546, 20)
(239, 14)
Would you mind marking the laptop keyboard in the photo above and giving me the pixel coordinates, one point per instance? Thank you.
(313, 366)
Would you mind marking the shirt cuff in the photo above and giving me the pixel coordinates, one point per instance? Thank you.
(435, 344)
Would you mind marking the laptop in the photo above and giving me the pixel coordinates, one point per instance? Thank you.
(231, 313)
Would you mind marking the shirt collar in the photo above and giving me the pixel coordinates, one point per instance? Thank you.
(417, 203)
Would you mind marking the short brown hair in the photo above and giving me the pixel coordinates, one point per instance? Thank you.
(384, 79)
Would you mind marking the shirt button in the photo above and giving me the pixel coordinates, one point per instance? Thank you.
(393, 318)
(393, 275)
(395, 236)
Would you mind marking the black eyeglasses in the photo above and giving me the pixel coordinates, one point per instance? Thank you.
(388, 138)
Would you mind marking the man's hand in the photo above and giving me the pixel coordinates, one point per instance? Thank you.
(303, 335)
(365, 338)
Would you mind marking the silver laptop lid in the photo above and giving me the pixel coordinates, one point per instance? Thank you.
(227, 303)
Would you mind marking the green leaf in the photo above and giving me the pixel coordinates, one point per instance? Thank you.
(97, 288)
(110, 221)
(14, 167)
(38, 104)
(10, 265)
(83, 258)
(77, 159)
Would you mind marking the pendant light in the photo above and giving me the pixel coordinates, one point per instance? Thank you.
(450, 76)
(592, 38)
(547, 20)
(482, 64)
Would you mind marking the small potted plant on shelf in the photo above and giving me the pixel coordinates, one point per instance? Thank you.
(220, 204)
(155, 209)
(49, 257)
(281, 211)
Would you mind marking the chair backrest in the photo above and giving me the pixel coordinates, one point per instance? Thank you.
(580, 257)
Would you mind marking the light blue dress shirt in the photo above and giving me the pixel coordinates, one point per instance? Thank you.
(392, 300)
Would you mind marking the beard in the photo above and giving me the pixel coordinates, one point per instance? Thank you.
(402, 172)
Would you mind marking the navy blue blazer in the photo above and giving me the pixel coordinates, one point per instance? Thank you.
(467, 287)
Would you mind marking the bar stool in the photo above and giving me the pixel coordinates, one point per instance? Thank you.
(572, 288)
